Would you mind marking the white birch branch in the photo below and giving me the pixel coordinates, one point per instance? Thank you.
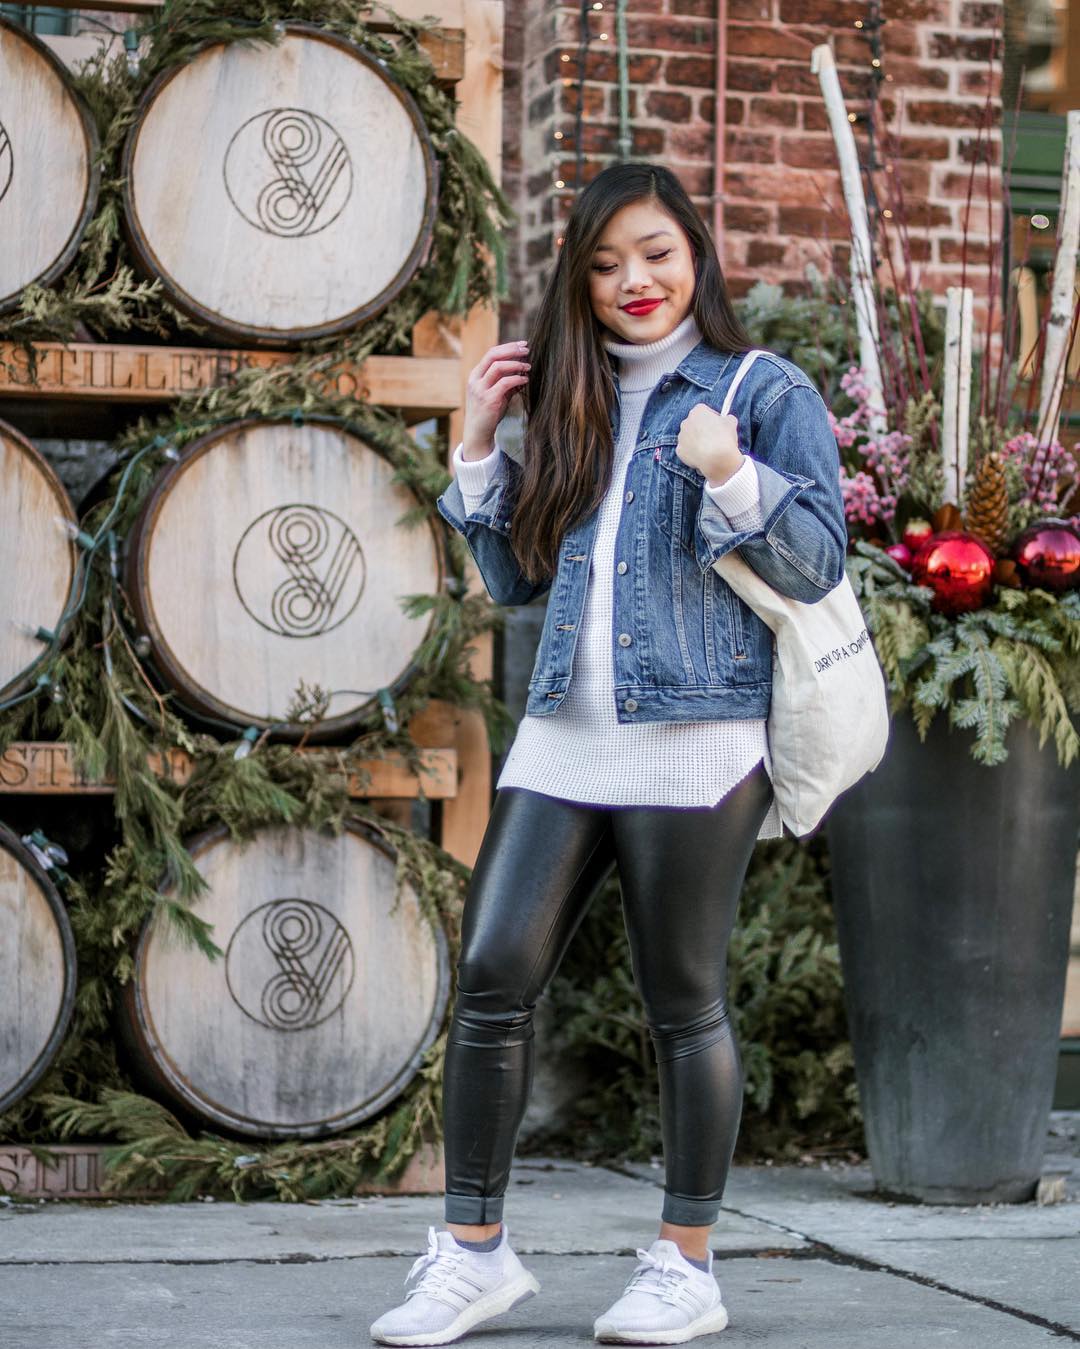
(1059, 323)
(956, 401)
(823, 66)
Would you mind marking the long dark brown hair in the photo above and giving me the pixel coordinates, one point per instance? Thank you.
(568, 445)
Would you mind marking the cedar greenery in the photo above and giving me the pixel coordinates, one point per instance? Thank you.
(107, 706)
(103, 294)
(1019, 656)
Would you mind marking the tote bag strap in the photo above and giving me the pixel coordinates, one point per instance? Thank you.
(733, 388)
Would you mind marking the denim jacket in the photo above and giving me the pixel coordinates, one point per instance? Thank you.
(685, 647)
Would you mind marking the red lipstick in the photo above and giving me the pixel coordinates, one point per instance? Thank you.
(638, 307)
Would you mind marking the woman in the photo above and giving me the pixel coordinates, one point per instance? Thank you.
(643, 745)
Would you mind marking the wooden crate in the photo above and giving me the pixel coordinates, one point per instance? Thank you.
(77, 1171)
(467, 50)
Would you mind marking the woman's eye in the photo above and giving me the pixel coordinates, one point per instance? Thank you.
(651, 257)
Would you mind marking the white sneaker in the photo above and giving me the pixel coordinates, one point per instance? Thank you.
(455, 1291)
(667, 1301)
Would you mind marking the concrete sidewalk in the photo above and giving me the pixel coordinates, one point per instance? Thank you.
(805, 1259)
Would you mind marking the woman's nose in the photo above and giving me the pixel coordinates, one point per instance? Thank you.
(636, 280)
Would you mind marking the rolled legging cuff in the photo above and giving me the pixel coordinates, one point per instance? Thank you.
(689, 1212)
(475, 1210)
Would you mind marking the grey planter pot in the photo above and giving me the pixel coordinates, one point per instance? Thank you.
(953, 884)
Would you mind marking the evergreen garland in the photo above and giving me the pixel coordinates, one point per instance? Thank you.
(103, 294)
(1019, 656)
(107, 706)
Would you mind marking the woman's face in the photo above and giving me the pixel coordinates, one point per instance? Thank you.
(644, 261)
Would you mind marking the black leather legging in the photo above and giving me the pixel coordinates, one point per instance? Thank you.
(540, 862)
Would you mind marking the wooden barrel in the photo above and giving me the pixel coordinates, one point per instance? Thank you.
(280, 192)
(48, 168)
(37, 559)
(324, 1003)
(37, 970)
(269, 557)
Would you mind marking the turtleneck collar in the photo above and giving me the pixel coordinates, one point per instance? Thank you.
(642, 363)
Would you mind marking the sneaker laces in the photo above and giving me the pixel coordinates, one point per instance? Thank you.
(662, 1278)
(436, 1268)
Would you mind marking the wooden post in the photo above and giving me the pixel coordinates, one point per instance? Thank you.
(956, 401)
(823, 65)
(1063, 289)
(480, 117)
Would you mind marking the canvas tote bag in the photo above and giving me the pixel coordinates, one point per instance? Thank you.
(829, 719)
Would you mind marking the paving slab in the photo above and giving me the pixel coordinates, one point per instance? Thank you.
(554, 1207)
(785, 1302)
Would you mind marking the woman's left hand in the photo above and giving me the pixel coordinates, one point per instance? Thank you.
(709, 442)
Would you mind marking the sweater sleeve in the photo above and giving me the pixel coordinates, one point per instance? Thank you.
(739, 499)
(473, 475)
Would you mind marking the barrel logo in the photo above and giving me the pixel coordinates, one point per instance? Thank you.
(288, 173)
(290, 964)
(7, 162)
(299, 570)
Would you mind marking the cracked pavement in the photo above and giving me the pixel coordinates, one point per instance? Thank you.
(806, 1257)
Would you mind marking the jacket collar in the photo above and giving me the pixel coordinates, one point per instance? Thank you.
(704, 365)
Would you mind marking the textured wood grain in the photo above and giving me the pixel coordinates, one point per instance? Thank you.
(271, 557)
(29, 767)
(37, 560)
(117, 372)
(328, 993)
(280, 192)
(37, 972)
(465, 817)
(47, 183)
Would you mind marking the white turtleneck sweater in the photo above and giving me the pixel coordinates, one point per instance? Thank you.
(581, 752)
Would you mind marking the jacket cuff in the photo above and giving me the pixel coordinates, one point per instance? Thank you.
(720, 534)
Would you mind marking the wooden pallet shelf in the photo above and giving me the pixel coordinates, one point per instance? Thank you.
(419, 386)
(77, 1171)
(47, 768)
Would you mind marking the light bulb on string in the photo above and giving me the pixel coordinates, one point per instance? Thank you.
(41, 634)
(131, 50)
(247, 743)
(73, 532)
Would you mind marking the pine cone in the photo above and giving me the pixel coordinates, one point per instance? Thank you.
(987, 514)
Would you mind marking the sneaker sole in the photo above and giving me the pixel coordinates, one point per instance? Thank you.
(495, 1303)
(708, 1324)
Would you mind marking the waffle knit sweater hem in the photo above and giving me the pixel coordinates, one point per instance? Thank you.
(582, 753)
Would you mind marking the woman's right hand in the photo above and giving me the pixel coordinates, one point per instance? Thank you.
(502, 370)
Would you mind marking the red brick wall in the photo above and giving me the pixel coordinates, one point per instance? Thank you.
(782, 201)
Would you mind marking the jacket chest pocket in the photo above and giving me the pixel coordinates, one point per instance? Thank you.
(676, 501)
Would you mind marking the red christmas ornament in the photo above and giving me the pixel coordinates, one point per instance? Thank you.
(900, 552)
(1048, 555)
(916, 533)
(958, 568)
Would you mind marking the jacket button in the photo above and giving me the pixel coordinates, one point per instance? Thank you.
(665, 386)
(625, 639)
(621, 568)
(630, 495)
(630, 704)
(644, 435)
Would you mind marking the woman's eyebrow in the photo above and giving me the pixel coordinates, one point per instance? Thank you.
(610, 248)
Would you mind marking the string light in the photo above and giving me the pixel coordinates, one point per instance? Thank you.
(558, 135)
(247, 743)
(559, 182)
